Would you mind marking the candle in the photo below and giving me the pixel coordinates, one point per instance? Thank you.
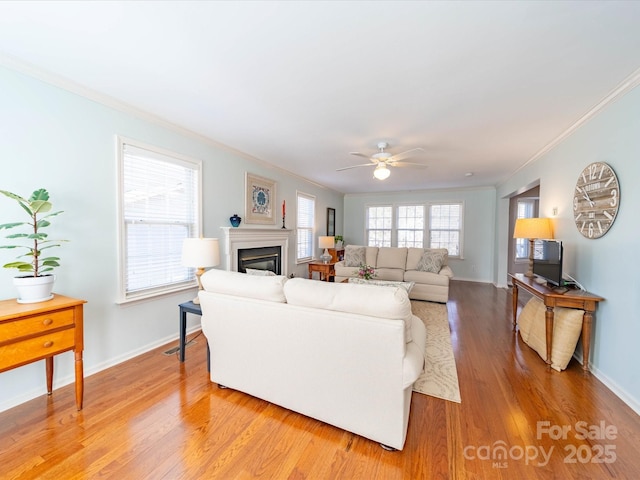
(283, 208)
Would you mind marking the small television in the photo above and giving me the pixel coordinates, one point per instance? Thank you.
(547, 261)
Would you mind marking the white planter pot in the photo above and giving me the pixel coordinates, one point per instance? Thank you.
(34, 289)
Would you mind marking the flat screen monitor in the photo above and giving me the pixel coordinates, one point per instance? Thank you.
(547, 261)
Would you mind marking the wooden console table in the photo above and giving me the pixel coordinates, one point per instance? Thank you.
(36, 331)
(577, 299)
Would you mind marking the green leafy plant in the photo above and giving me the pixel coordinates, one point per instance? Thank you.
(37, 206)
(338, 238)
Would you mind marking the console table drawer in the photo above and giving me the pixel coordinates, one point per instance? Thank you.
(36, 324)
(26, 351)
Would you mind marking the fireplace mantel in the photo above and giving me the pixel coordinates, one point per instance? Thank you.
(242, 237)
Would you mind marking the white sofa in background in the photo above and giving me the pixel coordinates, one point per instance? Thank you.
(403, 265)
(344, 354)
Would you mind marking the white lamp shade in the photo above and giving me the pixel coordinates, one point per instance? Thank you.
(536, 228)
(200, 252)
(326, 242)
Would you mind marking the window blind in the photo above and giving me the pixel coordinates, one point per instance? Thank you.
(160, 207)
(305, 222)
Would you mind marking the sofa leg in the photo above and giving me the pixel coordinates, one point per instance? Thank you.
(388, 448)
(221, 386)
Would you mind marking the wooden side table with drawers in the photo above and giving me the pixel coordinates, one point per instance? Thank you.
(34, 331)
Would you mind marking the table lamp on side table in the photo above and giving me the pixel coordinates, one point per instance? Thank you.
(532, 229)
(326, 242)
(200, 253)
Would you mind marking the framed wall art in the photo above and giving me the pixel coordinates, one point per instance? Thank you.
(331, 222)
(260, 200)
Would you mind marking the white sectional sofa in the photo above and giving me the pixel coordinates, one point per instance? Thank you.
(345, 354)
(426, 267)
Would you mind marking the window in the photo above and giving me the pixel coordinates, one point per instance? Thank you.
(378, 225)
(410, 230)
(445, 227)
(525, 209)
(305, 222)
(159, 206)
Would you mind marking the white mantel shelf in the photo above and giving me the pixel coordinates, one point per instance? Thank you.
(236, 238)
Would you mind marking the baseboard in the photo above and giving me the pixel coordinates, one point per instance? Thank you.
(69, 379)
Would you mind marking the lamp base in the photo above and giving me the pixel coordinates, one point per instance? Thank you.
(326, 256)
(530, 269)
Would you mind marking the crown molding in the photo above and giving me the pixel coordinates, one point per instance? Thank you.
(624, 87)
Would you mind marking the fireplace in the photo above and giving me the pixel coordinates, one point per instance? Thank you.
(237, 240)
(262, 258)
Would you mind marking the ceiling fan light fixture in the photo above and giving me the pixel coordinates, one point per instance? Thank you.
(381, 172)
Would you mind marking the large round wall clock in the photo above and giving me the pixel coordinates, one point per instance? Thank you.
(596, 200)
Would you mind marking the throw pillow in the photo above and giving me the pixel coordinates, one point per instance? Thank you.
(260, 273)
(384, 283)
(567, 326)
(431, 261)
(354, 256)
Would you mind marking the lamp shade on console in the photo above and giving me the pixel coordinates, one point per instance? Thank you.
(532, 229)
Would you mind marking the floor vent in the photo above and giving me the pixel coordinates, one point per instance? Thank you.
(176, 349)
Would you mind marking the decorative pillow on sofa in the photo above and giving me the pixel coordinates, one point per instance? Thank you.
(260, 273)
(354, 256)
(384, 283)
(432, 260)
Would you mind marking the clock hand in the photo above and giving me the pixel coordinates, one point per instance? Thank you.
(586, 196)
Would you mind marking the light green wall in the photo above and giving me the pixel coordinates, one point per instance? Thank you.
(605, 266)
(55, 139)
(479, 210)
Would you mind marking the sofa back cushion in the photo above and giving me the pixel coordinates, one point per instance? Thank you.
(269, 288)
(392, 257)
(370, 300)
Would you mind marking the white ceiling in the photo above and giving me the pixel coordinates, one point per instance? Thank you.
(483, 87)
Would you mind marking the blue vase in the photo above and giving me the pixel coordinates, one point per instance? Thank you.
(235, 220)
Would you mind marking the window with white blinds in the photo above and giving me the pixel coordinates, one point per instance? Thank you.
(445, 227)
(410, 228)
(159, 206)
(378, 225)
(305, 222)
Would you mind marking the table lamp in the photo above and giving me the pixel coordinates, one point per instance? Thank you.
(532, 229)
(326, 242)
(200, 253)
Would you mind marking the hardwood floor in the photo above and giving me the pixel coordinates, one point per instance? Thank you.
(154, 418)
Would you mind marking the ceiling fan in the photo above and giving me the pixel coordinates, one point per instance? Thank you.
(382, 160)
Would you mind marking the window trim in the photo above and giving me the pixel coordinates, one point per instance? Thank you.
(121, 141)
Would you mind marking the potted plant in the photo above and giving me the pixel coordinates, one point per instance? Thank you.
(36, 283)
(338, 239)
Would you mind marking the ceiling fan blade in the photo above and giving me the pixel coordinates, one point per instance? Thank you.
(409, 164)
(407, 154)
(358, 154)
(356, 166)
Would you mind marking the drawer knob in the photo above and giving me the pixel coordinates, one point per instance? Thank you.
(47, 321)
(47, 344)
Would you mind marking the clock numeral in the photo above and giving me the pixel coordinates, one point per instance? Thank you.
(614, 198)
(608, 182)
(602, 171)
(600, 227)
(578, 216)
(593, 170)
(590, 229)
(607, 214)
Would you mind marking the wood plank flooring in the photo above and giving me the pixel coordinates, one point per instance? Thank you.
(154, 418)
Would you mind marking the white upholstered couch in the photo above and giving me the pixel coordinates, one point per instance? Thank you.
(344, 354)
(403, 265)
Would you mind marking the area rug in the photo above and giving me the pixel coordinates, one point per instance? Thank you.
(440, 377)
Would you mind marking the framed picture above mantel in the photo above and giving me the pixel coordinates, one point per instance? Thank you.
(260, 200)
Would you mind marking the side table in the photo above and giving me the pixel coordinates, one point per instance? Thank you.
(34, 331)
(326, 270)
(189, 307)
